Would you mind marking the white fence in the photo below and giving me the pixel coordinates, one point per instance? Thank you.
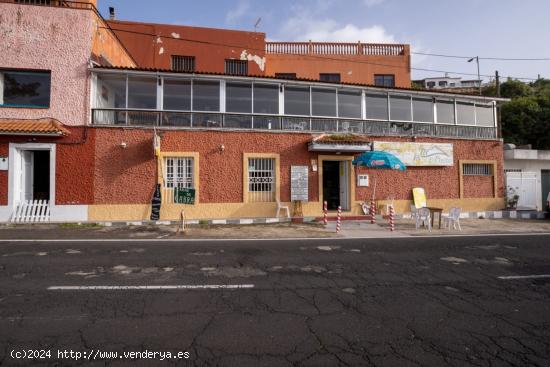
(31, 211)
(524, 184)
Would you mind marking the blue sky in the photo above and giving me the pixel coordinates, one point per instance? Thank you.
(488, 28)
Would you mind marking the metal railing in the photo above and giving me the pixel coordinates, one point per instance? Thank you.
(202, 120)
(55, 4)
(332, 48)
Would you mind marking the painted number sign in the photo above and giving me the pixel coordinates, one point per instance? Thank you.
(299, 183)
(184, 196)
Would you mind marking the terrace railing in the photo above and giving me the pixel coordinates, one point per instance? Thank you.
(228, 121)
(334, 48)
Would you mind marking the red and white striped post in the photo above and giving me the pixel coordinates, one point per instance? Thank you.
(392, 218)
(339, 219)
(325, 213)
(373, 212)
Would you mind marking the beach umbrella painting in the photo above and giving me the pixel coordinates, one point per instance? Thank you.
(379, 160)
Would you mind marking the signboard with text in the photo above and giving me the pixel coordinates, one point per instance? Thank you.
(299, 183)
(184, 196)
(419, 154)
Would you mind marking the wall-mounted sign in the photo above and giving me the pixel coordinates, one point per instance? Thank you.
(362, 180)
(184, 196)
(3, 163)
(299, 183)
(419, 154)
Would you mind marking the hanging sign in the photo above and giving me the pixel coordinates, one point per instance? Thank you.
(184, 196)
(299, 183)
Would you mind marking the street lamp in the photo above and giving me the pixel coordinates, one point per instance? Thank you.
(478, 77)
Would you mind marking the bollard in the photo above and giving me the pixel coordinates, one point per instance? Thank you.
(325, 213)
(339, 219)
(373, 212)
(392, 218)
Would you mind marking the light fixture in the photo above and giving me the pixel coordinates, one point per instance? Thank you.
(123, 145)
(222, 148)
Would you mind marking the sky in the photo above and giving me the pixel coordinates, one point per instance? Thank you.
(468, 28)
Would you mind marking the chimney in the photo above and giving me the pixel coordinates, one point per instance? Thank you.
(111, 13)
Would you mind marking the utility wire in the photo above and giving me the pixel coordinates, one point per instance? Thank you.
(483, 58)
(310, 55)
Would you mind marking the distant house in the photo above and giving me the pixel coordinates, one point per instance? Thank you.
(447, 82)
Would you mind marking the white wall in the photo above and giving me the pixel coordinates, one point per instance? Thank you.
(530, 166)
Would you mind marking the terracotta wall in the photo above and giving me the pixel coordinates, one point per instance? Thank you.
(4, 150)
(107, 47)
(478, 187)
(152, 45)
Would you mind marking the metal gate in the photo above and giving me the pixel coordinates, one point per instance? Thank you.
(523, 184)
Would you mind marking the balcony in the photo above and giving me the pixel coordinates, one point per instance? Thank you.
(229, 121)
(332, 48)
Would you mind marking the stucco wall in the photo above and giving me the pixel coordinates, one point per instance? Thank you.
(49, 38)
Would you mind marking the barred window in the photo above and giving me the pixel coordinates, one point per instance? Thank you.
(236, 67)
(477, 169)
(183, 63)
(261, 179)
(179, 172)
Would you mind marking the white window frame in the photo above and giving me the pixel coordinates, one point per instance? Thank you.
(179, 173)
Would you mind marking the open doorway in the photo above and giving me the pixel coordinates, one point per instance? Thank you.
(35, 175)
(336, 184)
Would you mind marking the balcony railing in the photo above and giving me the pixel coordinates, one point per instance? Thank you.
(330, 48)
(190, 120)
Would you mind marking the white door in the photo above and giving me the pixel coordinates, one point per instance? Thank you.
(524, 184)
(344, 185)
(27, 164)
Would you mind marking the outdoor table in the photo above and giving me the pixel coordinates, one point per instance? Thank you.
(432, 212)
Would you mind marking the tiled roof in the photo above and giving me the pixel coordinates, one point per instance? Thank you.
(45, 126)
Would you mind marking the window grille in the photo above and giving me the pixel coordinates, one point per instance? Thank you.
(518, 170)
(477, 169)
(236, 67)
(183, 63)
(261, 179)
(179, 172)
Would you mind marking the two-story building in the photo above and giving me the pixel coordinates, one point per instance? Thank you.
(108, 121)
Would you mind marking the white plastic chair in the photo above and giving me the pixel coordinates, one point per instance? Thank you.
(423, 217)
(282, 207)
(452, 218)
(414, 212)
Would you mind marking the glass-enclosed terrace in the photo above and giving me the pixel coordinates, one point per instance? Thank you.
(173, 100)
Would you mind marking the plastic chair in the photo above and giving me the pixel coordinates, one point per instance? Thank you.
(423, 217)
(282, 207)
(454, 218)
(414, 212)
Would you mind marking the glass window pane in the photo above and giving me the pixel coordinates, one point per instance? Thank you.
(297, 101)
(423, 109)
(400, 108)
(111, 91)
(465, 114)
(25, 89)
(445, 112)
(142, 92)
(206, 95)
(323, 102)
(238, 97)
(485, 115)
(177, 94)
(377, 106)
(349, 103)
(266, 98)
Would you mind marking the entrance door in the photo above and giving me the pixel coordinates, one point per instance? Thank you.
(27, 158)
(344, 184)
(524, 184)
(545, 184)
(35, 175)
(336, 184)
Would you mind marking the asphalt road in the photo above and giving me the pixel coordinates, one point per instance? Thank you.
(334, 302)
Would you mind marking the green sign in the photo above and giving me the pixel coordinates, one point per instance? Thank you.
(184, 196)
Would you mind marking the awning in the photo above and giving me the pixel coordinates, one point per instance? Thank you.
(33, 127)
(339, 143)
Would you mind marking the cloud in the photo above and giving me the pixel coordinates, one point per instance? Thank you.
(370, 3)
(238, 12)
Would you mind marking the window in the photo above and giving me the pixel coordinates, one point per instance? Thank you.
(484, 114)
(349, 104)
(323, 102)
(30, 89)
(423, 109)
(206, 95)
(400, 108)
(238, 97)
(266, 98)
(236, 67)
(142, 92)
(110, 91)
(261, 179)
(465, 113)
(384, 80)
(285, 75)
(377, 106)
(183, 63)
(430, 84)
(445, 111)
(327, 77)
(442, 83)
(477, 169)
(177, 94)
(179, 172)
(452, 84)
(297, 101)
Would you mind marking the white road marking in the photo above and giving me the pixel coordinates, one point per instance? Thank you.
(513, 277)
(147, 287)
(180, 240)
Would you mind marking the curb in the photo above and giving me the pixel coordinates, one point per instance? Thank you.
(497, 214)
(241, 221)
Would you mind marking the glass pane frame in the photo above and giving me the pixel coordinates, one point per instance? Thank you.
(42, 77)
